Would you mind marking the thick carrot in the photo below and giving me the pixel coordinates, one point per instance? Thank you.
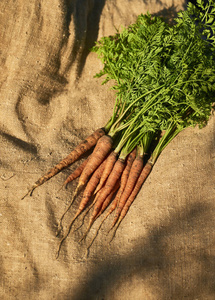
(102, 149)
(106, 190)
(144, 174)
(88, 192)
(76, 173)
(135, 171)
(82, 148)
(108, 168)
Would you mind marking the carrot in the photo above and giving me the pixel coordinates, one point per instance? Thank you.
(70, 227)
(104, 206)
(144, 174)
(86, 211)
(100, 152)
(85, 214)
(108, 199)
(91, 185)
(113, 205)
(107, 189)
(76, 173)
(111, 209)
(135, 171)
(108, 168)
(82, 148)
(110, 184)
(124, 177)
(126, 171)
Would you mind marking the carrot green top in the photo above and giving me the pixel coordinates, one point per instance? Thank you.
(164, 75)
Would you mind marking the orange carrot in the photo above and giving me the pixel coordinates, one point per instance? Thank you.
(126, 171)
(108, 199)
(113, 204)
(86, 212)
(70, 227)
(82, 148)
(105, 204)
(124, 177)
(144, 174)
(135, 171)
(77, 172)
(100, 152)
(108, 168)
(111, 209)
(107, 189)
(110, 184)
(91, 185)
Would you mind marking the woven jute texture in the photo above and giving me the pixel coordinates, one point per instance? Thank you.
(49, 102)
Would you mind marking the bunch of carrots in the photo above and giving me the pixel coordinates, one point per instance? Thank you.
(165, 81)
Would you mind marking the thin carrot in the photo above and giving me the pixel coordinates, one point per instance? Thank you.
(113, 205)
(104, 206)
(82, 148)
(126, 171)
(135, 171)
(111, 209)
(85, 214)
(91, 185)
(76, 173)
(108, 199)
(144, 174)
(70, 227)
(107, 189)
(108, 168)
(87, 210)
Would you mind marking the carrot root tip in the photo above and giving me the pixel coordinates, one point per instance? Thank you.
(25, 196)
(97, 189)
(88, 229)
(61, 187)
(29, 192)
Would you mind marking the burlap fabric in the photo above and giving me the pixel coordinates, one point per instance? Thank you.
(49, 102)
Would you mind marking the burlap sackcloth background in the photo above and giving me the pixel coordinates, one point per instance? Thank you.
(49, 101)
